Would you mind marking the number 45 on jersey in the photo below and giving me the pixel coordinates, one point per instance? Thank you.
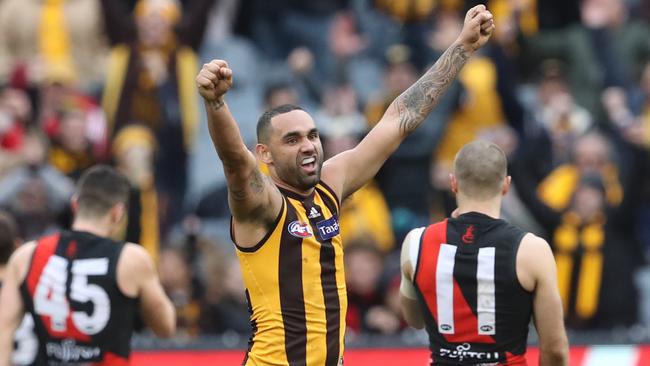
(50, 296)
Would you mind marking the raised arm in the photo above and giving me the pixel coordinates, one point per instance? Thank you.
(350, 170)
(253, 199)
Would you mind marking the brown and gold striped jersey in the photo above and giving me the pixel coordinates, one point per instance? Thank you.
(295, 284)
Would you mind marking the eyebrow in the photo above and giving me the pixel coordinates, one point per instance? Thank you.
(297, 133)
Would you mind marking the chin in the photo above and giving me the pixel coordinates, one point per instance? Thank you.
(310, 182)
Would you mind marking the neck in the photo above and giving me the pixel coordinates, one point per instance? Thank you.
(490, 207)
(99, 227)
(280, 183)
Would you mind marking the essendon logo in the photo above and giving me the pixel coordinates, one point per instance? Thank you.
(300, 230)
(468, 237)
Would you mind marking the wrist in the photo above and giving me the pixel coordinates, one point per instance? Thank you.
(217, 103)
(466, 46)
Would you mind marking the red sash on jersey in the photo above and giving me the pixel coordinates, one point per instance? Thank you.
(44, 251)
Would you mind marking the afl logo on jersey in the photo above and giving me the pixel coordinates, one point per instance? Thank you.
(487, 328)
(299, 230)
(445, 327)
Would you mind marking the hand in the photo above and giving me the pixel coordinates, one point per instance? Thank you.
(477, 29)
(214, 80)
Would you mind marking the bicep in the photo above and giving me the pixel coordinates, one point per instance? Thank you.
(411, 310)
(355, 167)
(150, 292)
(156, 309)
(253, 196)
(547, 303)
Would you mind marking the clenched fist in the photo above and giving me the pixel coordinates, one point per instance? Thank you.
(214, 80)
(477, 29)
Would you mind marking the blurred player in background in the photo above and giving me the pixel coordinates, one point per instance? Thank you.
(25, 341)
(285, 225)
(82, 288)
(474, 281)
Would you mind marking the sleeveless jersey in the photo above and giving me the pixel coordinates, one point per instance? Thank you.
(80, 314)
(295, 284)
(25, 343)
(475, 310)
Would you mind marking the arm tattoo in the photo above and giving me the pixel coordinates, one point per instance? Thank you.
(216, 104)
(415, 104)
(257, 184)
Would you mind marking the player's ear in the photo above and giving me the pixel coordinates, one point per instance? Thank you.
(118, 211)
(453, 183)
(506, 185)
(263, 153)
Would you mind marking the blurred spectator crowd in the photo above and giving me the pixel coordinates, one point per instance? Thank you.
(563, 87)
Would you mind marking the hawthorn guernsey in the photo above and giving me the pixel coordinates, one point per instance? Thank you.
(285, 224)
(328, 228)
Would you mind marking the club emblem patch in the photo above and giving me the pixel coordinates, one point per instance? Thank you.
(299, 230)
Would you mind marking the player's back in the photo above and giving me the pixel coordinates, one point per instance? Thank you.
(80, 314)
(475, 309)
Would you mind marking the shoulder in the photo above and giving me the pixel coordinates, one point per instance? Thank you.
(136, 259)
(535, 254)
(410, 250)
(414, 235)
(533, 244)
(333, 173)
(19, 260)
(332, 187)
(24, 251)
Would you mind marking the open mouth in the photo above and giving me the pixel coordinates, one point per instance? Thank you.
(308, 164)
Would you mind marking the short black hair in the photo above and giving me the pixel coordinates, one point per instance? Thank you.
(8, 235)
(264, 122)
(99, 189)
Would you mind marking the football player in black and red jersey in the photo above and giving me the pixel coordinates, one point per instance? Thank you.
(82, 288)
(474, 281)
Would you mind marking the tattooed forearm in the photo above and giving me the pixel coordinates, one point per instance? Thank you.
(216, 104)
(415, 104)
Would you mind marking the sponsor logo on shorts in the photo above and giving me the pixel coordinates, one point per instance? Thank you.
(300, 230)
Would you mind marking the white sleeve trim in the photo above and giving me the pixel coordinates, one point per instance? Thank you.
(414, 247)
